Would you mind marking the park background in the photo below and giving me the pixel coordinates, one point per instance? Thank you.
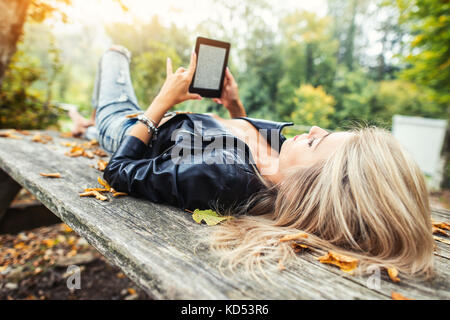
(331, 63)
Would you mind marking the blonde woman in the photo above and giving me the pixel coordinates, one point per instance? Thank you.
(356, 192)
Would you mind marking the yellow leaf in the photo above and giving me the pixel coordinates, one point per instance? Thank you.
(345, 263)
(296, 236)
(104, 183)
(393, 274)
(209, 216)
(398, 296)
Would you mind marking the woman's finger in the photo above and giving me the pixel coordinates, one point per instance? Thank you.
(194, 96)
(229, 75)
(217, 100)
(169, 66)
(192, 64)
(180, 69)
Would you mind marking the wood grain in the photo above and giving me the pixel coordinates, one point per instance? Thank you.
(157, 245)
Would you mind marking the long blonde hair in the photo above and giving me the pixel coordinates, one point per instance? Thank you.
(368, 200)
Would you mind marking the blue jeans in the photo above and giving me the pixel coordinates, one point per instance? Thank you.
(114, 98)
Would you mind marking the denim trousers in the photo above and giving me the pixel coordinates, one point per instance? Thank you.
(113, 98)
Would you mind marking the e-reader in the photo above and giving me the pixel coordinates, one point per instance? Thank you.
(212, 59)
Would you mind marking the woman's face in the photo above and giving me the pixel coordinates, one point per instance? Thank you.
(309, 148)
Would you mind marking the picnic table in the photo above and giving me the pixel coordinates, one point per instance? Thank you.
(156, 245)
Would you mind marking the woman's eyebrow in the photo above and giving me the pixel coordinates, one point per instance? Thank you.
(323, 138)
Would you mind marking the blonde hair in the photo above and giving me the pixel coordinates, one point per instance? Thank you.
(368, 200)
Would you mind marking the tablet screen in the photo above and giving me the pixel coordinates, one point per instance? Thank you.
(209, 67)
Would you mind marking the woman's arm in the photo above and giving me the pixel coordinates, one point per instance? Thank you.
(175, 90)
(230, 97)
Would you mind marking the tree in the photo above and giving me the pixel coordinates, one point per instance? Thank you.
(429, 58)
(312, 106)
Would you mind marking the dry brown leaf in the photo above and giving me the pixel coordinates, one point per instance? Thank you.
(345, 263)
(441, 225)
(296, 236)
(393, 274)
(66, 134)
(118, 194)
(51, 175)
(131, 291)
(41, 138)
(88, 154)
(437, 230)
(95, 189)
(95, 194)
(100, 152)
(133, 115)
(24, 132)
(9, 134)
(101, 164)
(441, 240)
(104, 184)
(76, 151)
(398, 296)
(299, 247)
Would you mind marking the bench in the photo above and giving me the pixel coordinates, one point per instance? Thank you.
(155, 245)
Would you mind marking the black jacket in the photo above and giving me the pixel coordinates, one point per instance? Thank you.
(155, 173)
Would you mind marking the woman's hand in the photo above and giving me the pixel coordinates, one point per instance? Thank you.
(176, 87)
(230, 96)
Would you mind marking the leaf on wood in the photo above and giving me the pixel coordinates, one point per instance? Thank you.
(96, 189)
(100, 152)
(441, 225)
(76, 151)
(24, 132)
(101, 164)
(41, 138)
(66, 228)
(67, 134)
(299, 247)
(118, 194)
(439, 231)
(51, 175)
(441, 240)
(88, 154)
(296, 236)
(9, 134)
(95, 194)
(345, 263)
(133, 115)
(398, 296)
(105, 184)
(210, 217)
(393, 274)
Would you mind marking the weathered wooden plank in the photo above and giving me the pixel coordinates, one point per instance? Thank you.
(156, 245)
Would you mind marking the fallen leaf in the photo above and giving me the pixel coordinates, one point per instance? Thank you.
(393, 274)
(441, 225)
(66, 228)
(95, 194)
(101, 164)
(299, 247)
(345, 263)
(99, 152)
(441, 240)
(131, 291)
(296, 236)
(118, 194)
(439, 231)
(398, 296)
(209, 216)
(51, 175)
(24, 132)
(41, 138)
(67, 134)
(104, 183)
(9, 134)
(133, 115)
(96, 189)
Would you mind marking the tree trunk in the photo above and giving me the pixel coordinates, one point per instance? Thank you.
(12, 18)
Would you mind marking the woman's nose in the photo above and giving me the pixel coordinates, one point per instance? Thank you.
(317, 131)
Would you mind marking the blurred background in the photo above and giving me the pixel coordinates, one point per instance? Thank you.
(331, 63)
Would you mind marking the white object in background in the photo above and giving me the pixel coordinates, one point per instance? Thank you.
(423, 139)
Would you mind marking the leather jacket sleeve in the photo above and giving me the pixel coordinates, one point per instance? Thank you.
(191, 186)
